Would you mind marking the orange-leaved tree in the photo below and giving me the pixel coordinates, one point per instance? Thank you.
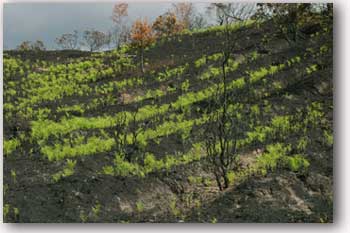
(167, 25)
(141, 37)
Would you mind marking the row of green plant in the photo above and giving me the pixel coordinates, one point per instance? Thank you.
(93, 145)
(56, 81)
(279, 123)
(171, 127)
(15, 68)
(150, 164)
(276, 156)
(43, 129)
(165, 131)
(40, 87)
(109, 88)
(283, 125)
(72, 146)
(69, 90)
(76, 147)
(280, 128)
(150, 94)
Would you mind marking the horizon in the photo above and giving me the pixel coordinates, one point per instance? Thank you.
(47, 21)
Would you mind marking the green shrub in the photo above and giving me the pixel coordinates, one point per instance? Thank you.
(14, 176)
(6, 210)
(297, 163)
(94, 145)
(302, 143)
(10, 146)
(96, 210)
(174, 210)
(200, 62)
(270, 159)
(68, 170)
(108, 170)
(195, 179)
(125, 168)
(328, 137)
(140, 206)
(231, 176)
(151, 164)
(185, 85)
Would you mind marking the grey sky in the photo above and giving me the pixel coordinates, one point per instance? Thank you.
(46, 21)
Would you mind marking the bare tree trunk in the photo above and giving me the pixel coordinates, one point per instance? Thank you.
(141, 61)
(226, 181)
(217, 178)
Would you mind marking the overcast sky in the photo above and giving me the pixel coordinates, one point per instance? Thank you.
(47, 21)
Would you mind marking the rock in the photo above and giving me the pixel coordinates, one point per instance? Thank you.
(318, 182)
(125, 207)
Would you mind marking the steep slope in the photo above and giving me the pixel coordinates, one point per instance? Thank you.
(66, 117)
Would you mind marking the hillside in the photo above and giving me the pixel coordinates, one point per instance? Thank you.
(89, 138)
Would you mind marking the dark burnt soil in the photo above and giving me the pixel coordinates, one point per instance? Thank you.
(277, 198)
(169, 196)
(49, 56)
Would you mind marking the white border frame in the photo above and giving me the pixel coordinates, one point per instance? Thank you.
(341, 152)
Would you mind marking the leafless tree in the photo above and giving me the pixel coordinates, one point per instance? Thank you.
(68, 40)
(184, 12)
(38, 45)
(231, 11)
(199, 22)
(24, 46)
(94, 39)
(122, 35)
(224, 126)
(121, 29)
(290, 19)
(129, 146)
(109, 39)
(121, 133)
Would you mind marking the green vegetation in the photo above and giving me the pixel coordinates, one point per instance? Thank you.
(140, 206)
(297, 163)
(92, 146)
(10, 146)
(68, 170)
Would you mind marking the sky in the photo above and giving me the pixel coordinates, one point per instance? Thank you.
(47, 21)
